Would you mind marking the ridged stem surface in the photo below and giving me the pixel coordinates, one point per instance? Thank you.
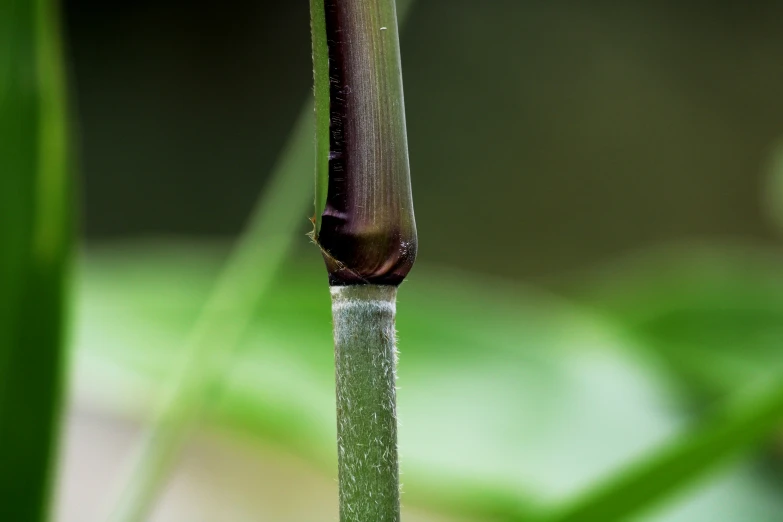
(364, 211)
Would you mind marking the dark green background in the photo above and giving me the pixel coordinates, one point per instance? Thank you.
(544, 136)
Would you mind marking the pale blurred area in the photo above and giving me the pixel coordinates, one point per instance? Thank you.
(599, 192)
(220, 477)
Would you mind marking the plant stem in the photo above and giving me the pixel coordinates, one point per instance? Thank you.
(243, 282)
(365, 226)
(366, 369)
(366, 230)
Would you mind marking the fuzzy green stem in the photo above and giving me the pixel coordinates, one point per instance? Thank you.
(366, 368)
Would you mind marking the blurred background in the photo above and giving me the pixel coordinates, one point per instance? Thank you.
(599, 197)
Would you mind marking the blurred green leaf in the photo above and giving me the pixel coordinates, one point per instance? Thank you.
(511, 400)
(691, 456)
(712, 315)
(744, 492)
(491, 376)
(35, 238)
(224, 311)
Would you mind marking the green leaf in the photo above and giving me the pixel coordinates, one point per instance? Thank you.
(524, 371)
(513, 402)
(668, 470)
(224, 311)
(321, 90)
(35, 243)
(712, 315)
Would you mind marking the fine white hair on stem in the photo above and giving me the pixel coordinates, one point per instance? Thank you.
(366, 373)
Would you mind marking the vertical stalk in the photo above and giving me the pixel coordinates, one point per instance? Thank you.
(365, 228)
(365, 369)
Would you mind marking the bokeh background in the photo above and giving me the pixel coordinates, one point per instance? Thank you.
(599, 200)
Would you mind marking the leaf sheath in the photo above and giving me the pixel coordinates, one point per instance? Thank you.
(364, 224)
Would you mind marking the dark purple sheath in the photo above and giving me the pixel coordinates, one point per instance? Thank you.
(368, 230)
